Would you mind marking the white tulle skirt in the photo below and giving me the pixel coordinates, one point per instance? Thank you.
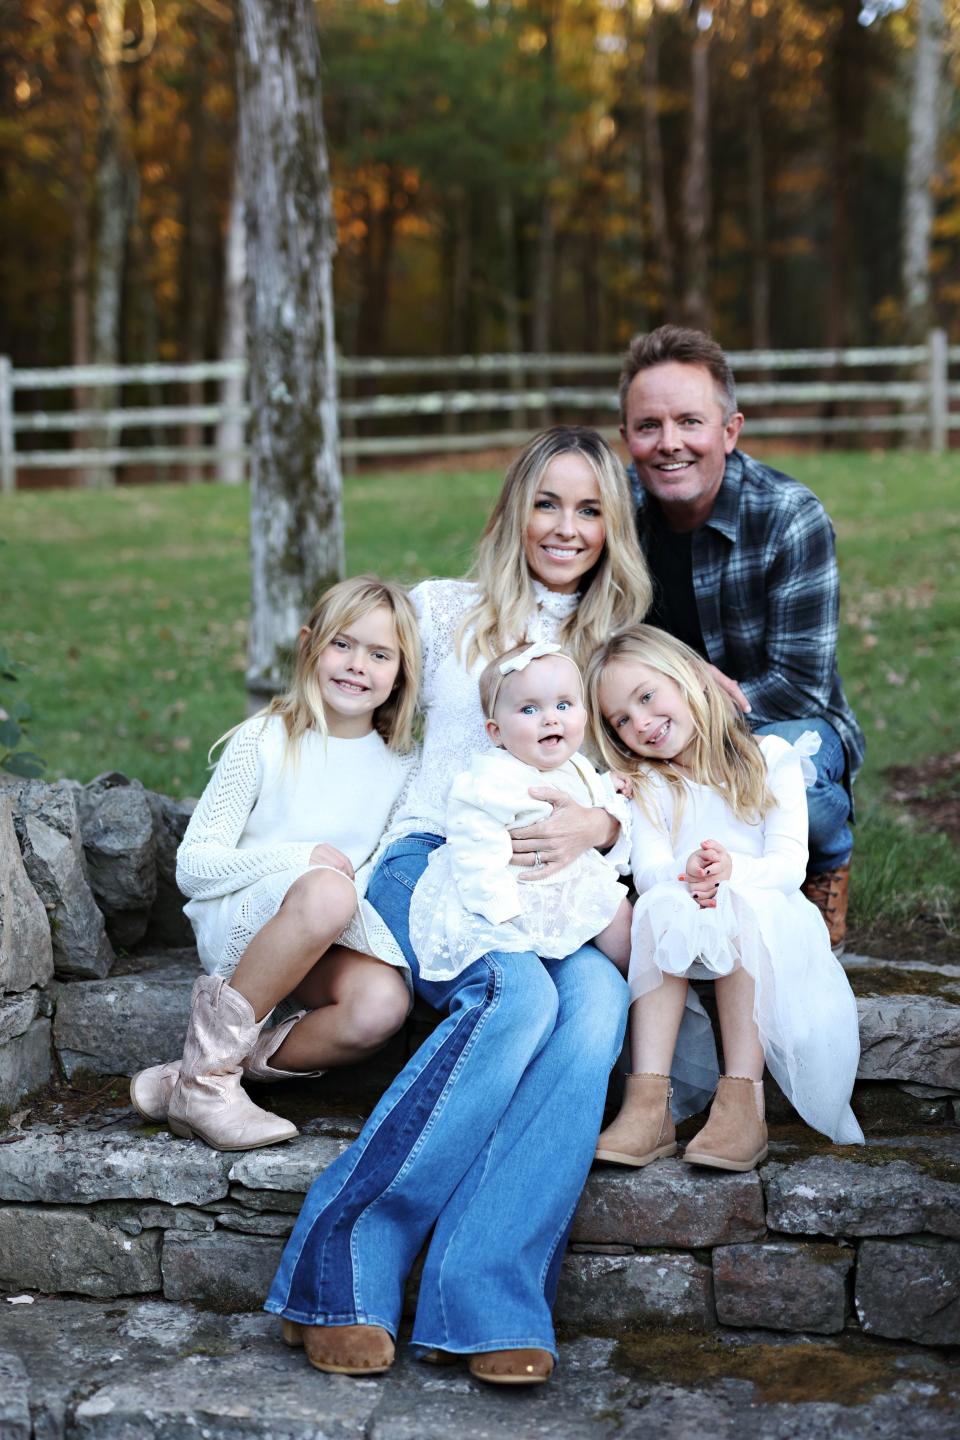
(558, 915)
(804, 1008)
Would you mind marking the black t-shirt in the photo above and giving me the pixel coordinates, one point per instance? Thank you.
(670, 557)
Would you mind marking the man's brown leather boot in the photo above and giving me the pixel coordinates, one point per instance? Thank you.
(829, 891)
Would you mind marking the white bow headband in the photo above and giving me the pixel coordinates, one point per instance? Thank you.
(517, 663)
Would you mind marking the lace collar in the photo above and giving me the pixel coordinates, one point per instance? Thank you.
(553, 603)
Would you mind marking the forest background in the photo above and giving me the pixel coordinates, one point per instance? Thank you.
(508, 174)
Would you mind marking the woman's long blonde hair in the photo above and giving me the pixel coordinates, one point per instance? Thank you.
(618, 590)
(301, 708)
(723, 753)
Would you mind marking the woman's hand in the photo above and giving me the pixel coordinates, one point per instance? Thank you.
(330, 855)
(704, 870)
(571, 830)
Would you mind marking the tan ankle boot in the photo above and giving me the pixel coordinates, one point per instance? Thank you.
(150, 1089)
(643, 1131)
(735, 1136)
(207, 1100)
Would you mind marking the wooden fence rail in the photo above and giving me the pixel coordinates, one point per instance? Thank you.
(912, 399)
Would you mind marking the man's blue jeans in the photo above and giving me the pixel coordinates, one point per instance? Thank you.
(831, 840)
(486, 1137)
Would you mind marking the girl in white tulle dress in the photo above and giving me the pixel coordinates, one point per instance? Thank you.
(469, 900)
(719, 854)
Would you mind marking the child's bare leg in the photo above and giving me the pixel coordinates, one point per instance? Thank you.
(315, 910)
(654, 1026)
(614, 940)
(355, 1002)
(742, 1051)
(643, 1130)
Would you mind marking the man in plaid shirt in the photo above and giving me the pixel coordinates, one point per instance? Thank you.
(744, 572)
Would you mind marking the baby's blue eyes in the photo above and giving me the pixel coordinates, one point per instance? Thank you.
(532, 709)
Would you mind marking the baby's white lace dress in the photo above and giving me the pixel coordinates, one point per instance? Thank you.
(470, 900)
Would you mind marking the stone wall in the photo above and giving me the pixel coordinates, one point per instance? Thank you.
(96, 967)
(85, 871)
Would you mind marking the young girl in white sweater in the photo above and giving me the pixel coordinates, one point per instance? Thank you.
(275, 860)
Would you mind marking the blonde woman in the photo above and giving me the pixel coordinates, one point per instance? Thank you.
(486, 1136)
(719, 854)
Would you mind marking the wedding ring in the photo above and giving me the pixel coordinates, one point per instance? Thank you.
(537, 858)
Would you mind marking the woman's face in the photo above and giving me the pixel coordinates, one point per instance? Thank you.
(565, 533)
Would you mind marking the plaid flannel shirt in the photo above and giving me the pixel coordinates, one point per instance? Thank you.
(767, 592)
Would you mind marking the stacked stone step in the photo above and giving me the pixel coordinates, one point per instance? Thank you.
(137, 1369)
(107, 1207)
(819, 1239)
(100, 1205)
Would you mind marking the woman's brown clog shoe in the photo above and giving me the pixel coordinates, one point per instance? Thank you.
(343, 1349)
(512, 1367)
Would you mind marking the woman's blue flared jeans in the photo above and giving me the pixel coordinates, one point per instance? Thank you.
(485, 1138)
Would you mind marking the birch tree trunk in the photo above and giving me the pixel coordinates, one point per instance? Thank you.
(113, 204)
(696, 180)
(79, 217)
(233, 340)
(296, 516)
(922, 154)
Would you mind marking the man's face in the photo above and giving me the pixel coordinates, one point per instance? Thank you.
(677, 436)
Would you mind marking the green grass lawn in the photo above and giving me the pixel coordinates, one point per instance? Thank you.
(130, 608)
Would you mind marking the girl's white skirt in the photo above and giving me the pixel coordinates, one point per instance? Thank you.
(224, 926)
(804, 1008)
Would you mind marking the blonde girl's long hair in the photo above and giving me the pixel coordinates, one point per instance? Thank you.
(617, 592)
(723, 753)
(301, 708)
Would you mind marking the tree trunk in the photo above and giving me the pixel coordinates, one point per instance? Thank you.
(659, 224)
(921, 166)
(79, 202)
(757, 189)
(296, 514)
(381, 226)
(696, 181)
(233, 340)
(196, 281)
(507, 225)
(113, 202)
(542, 300)
(543, 296)
(847, 129)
